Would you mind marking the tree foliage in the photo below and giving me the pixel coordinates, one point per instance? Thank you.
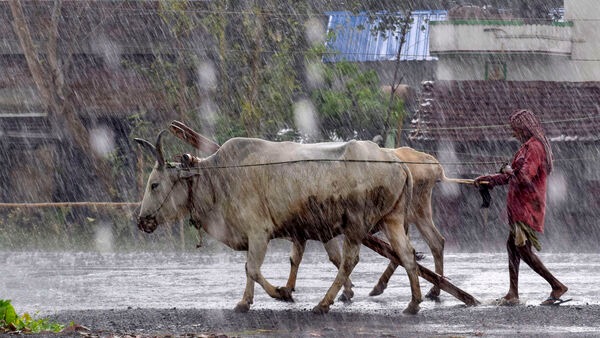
(262, 58)
(351, 104)
(254, 54)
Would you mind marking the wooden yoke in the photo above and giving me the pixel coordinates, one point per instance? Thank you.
(203, 143)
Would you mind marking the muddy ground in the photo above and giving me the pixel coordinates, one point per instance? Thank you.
(457, 321)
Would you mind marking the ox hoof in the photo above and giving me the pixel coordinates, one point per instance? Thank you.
(412, 309)
(320, 309)
(346, 296)
(285, 294)
(377, 290)
(242, 307)
(434, 295)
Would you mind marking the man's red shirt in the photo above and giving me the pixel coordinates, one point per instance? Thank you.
(526, 200)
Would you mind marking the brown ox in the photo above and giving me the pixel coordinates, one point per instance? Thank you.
(426, 172)
(251, 191)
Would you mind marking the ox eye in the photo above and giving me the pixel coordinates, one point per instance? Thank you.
(153, 186)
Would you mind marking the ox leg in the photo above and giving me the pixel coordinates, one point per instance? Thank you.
(334, 252)
(248, 297)
(257, 249)
(436, 242)
(295, 259)
(398, 238)
(384, 279)
(351, 251)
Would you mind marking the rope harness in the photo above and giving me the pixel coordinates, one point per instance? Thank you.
(153, 215)
(317, 160)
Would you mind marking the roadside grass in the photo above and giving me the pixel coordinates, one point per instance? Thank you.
(11, 322)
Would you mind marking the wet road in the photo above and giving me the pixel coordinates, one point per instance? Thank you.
(48, 282)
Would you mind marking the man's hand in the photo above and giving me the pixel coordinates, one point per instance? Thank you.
(484, 180)
(506, 169)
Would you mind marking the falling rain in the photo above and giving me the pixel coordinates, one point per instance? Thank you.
(82, 79)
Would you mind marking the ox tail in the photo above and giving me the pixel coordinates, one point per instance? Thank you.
(458, 180)
(455, 180)
(408, 195)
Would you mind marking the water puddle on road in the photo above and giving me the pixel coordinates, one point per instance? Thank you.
(45, 282)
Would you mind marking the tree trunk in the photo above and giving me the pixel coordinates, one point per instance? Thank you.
(397, 81)
(51, 84)
(37, 72)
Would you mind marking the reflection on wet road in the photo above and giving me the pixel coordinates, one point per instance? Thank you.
(46, 282)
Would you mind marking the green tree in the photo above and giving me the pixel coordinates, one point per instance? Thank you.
(351, 104)
(171, 69)
(397, 25)
(181, 25)
(257, 65)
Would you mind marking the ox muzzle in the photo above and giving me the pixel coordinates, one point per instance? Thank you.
(147, 223)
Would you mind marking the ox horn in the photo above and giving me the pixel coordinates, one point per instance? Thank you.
(154, 150)
(159, 152)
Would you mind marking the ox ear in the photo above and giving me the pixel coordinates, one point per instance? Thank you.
(159, 152)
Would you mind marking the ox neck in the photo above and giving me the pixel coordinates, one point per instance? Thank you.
(200, 207)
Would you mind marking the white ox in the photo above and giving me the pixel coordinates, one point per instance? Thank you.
(251, 191)
(426, 172)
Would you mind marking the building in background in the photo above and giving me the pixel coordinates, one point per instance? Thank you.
(486, 69)
(352, 39)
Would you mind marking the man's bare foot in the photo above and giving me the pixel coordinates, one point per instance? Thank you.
(504, 301)
(558, 292)
(555, 295)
